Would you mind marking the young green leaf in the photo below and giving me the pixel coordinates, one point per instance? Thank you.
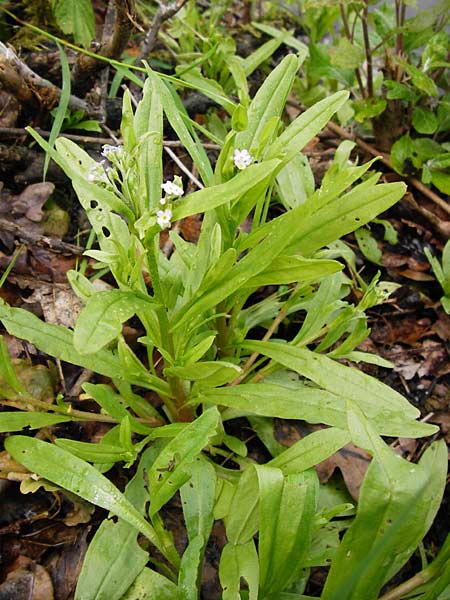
(171, 469)
(238, 561)
(109, 569)
(372, 396)
(100, 321)
(150, 585)
(75, 17)
(398, 502)
(15, 421)
(188, 576)
(287, 508)
(77, 476)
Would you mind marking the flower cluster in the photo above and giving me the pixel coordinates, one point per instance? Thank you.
(242, 158)
(112, 152)
(97, 173)
(173, 189)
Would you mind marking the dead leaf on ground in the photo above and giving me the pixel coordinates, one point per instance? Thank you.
(406, 362)
(353, 464)
(27, 581)
(59, 303)
(64, 565)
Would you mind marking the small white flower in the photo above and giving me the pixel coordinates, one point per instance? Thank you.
(242, 159)
(163, 218)
(97, 173)
(110, 151)
(163, 201)
(172, 189)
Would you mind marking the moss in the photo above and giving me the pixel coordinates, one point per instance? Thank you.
(34, 12)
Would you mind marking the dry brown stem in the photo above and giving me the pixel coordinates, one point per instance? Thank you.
(164, 12)
(86, 67)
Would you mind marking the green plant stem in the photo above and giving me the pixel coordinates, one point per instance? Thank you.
(72, 412)
(408, 586)
(222, 331)
(251, 359)
(178, 408)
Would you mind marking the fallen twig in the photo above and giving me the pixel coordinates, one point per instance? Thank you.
(40, 240)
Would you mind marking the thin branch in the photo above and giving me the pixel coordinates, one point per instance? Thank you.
(349, 36)
(111, 47)
(185, 170)
(365, 17)
(6, 132)
(164, 12)
(40, 240)
(252, 358)
(29, 87)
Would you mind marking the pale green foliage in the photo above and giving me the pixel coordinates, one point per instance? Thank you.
(201, 316)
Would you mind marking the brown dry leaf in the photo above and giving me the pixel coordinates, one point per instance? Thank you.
(27, 581)
(442, 326)
(414, 275)
(64, 565)
(10, 109)
(394, 328)
(443, 420)
(436, 363)
(353, 464)
(59, 303)
(405, 361)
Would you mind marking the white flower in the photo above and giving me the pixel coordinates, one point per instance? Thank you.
(163, 201)
(172, 189)
(163, 218)
(242, 159)
(110, 151)
(97, 173)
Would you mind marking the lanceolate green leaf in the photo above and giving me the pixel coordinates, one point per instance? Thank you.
(373, 397)
(175, 111)
(197, 498)
(268, 102)
(240, 560)
(290, 269)
(15, 421)
(110, 568)
(58, 342)
(148, 126)
(306, 126)
(398, 502)
(287, 508)
(310, 450)
(171, 468)
(189, 574)
(100, 321)
(77, 476)
(150, 585)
